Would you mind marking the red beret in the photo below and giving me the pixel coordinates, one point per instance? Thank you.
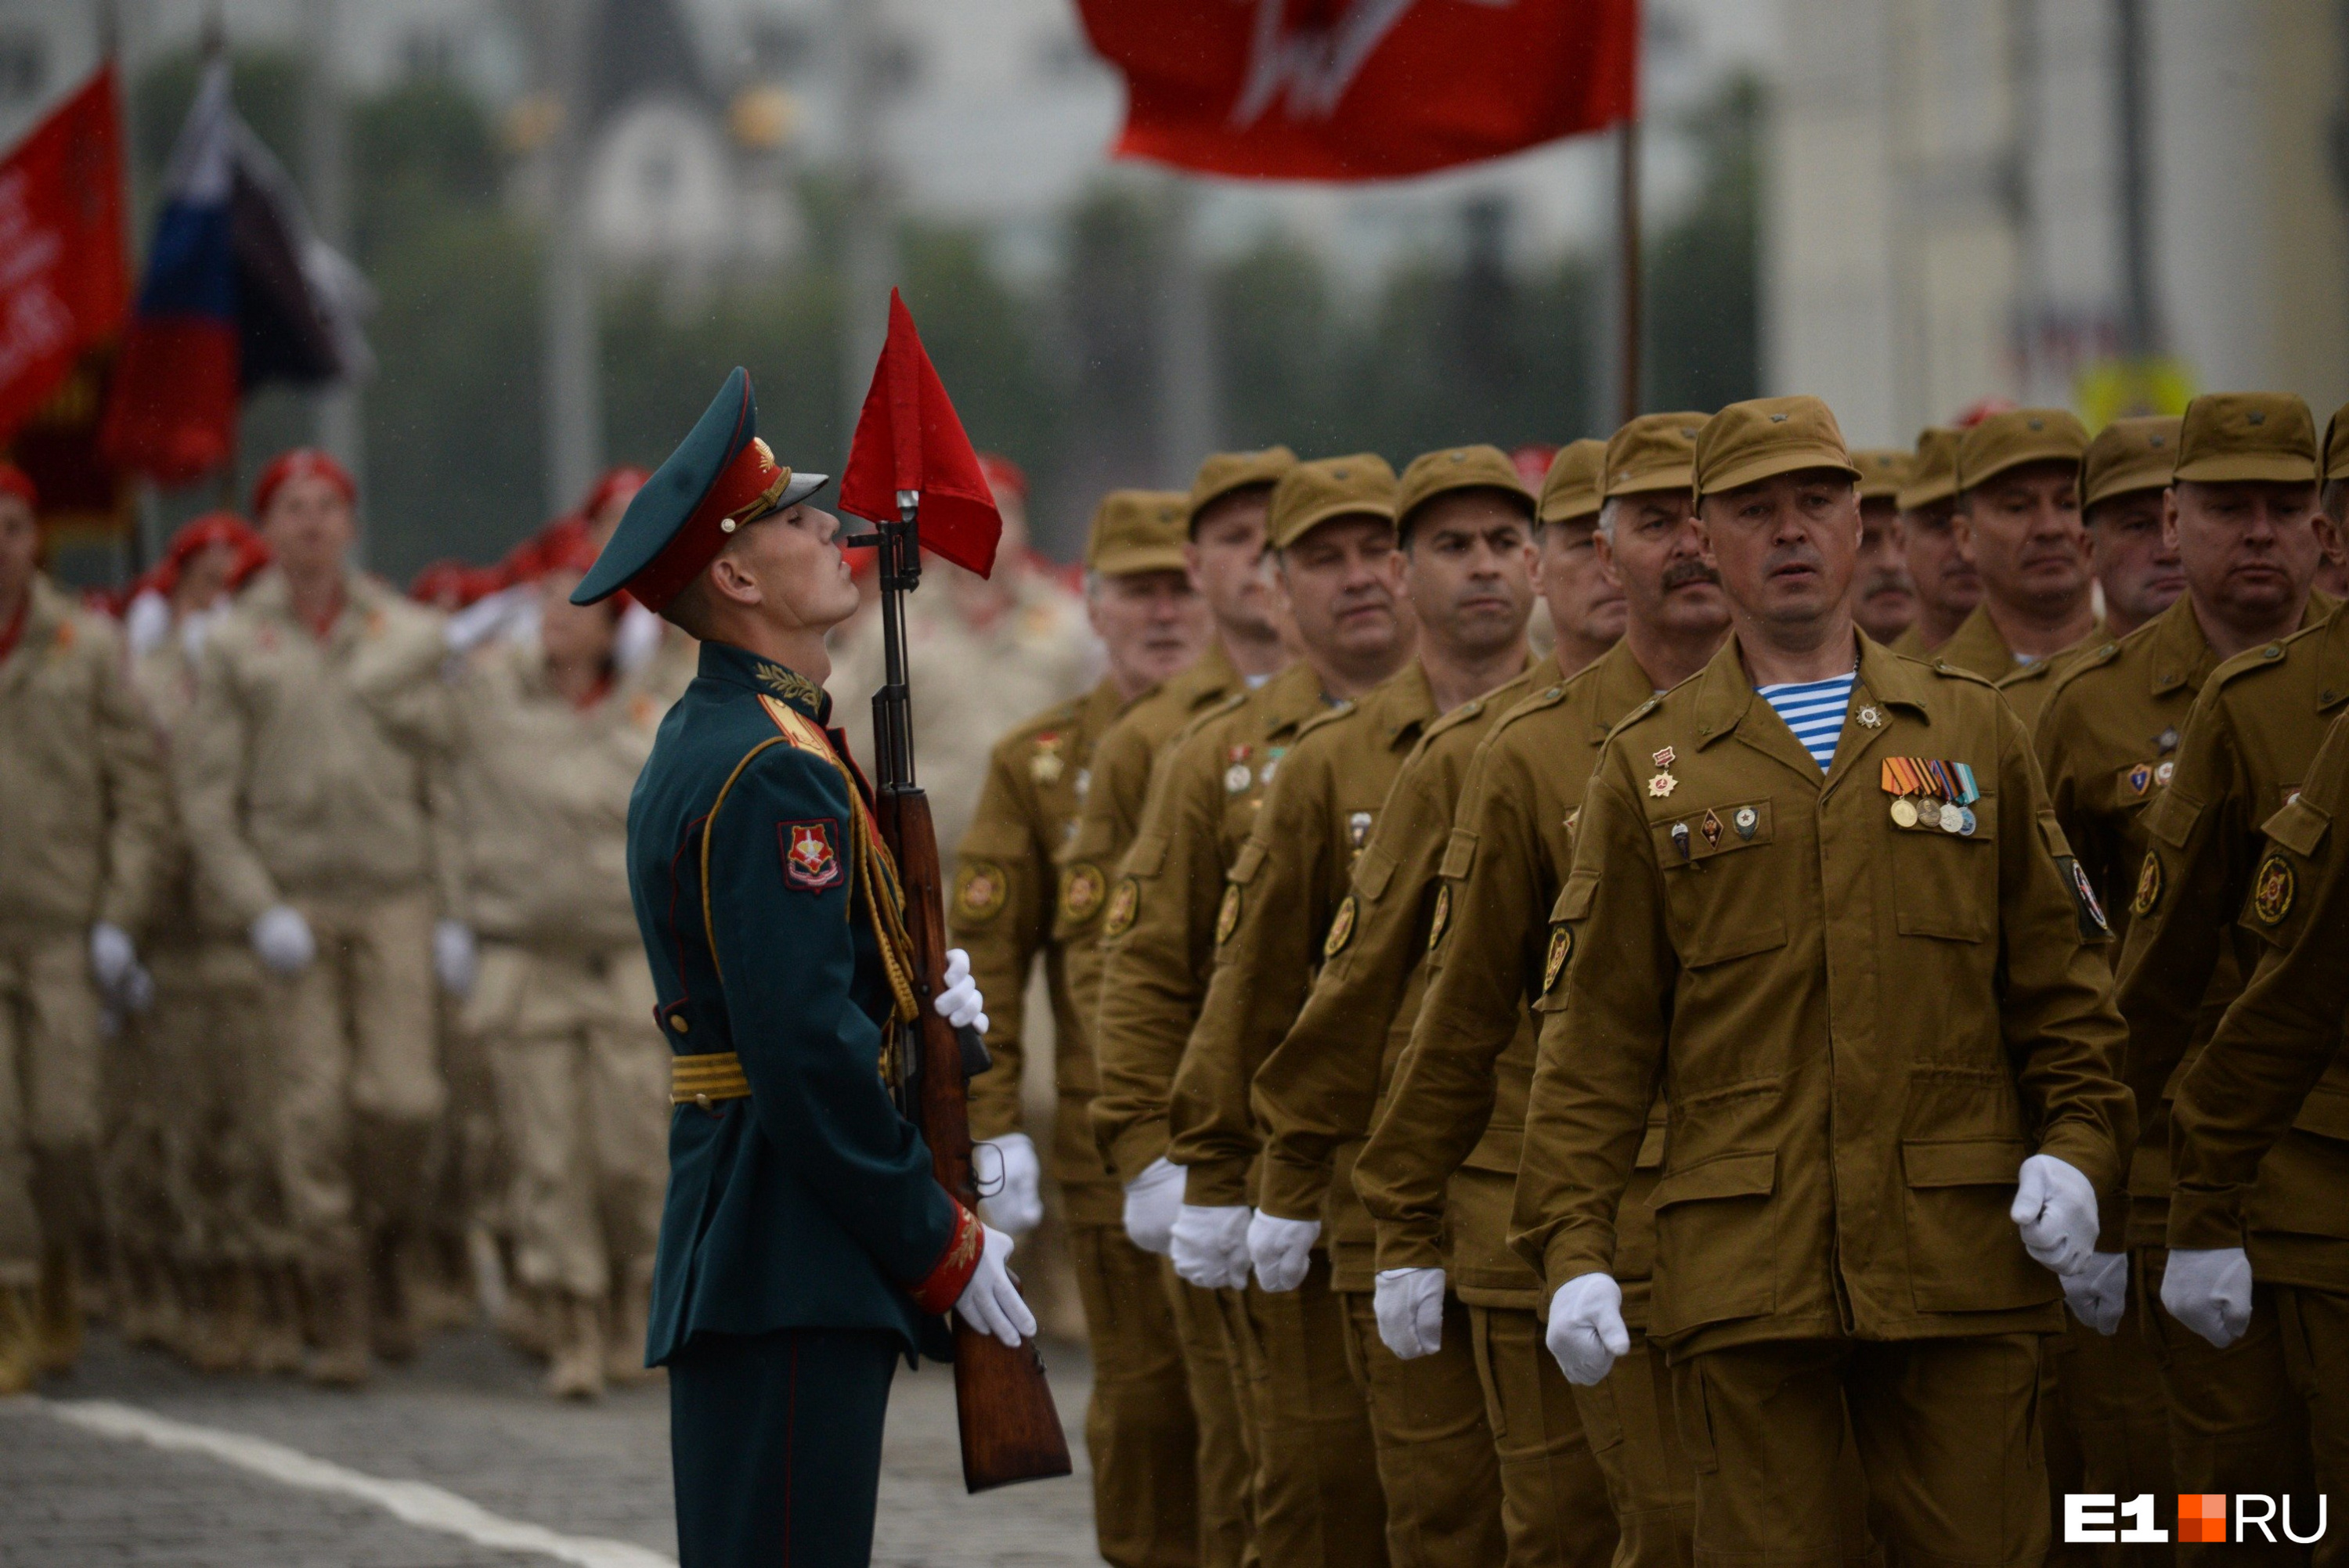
(16, 482)
(619, 483)
(202, 534)
(1003, 474)
(302, 463)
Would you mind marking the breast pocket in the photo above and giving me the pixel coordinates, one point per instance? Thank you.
(1724, 893)
(1945, 884)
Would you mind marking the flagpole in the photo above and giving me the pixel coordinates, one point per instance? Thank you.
(1627, 269)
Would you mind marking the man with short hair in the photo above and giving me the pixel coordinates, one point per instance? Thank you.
(1884, 593)
(1331, 532)
(1222, 553)
(82, 867)
(2242, 509)
(1947, 587)
(1883, 1043)
(1585, 604)
(805, 1245)
(1443, 1153)
(1140, 1430)
(2018, 518)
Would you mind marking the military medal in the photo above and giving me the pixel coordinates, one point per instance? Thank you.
(1711, 828)
(2167, 741)
(1952, 820)
(1746, 820)
(2162, 771)
(1237, 777)
(2140, 778)
(1904, 812)
(1272, 762)
(1869, 719)
(1358, 829)
(1664, 783)
(1681, 839)
(1082, 782)
(1046, 766)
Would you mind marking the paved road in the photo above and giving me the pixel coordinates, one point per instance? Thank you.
(134, 1460)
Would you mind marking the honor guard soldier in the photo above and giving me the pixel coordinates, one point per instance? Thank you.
(2278, 1056)
(81, 864)
(1817, 900)
(1154, 625)
(2243, 507)
(1463, 521)
(1441, 1164)
(1947, 587)
(2018, 517)
(1223, 552)
(1319, 1093)
(1332, 533)
(804, 1245)
(1883, 594)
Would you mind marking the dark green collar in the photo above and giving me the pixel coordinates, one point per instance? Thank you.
(741, 667)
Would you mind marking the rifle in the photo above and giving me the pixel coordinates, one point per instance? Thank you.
(1010, 1429)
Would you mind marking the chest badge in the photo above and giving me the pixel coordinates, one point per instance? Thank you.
(1711, 828)
(2167, 741)
(1871, 719)
(2162, 772)
(1681, 839)
(1664, 783)
(1047, 765)
(2271, 891)
(1745, 820)
(2140, 778)
(1237, 775)
(1358, 829)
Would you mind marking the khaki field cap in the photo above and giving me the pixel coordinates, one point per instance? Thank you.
(1433, 474)
(2336, 445)
(1571, 488)
(1766, 437)
(1138, 531)
(1882, 471)
(1652, 452)
(1224, 472)
(1311, 494)
(1932, 468)
(2017, 437)
(2246, 435)
(2129, 455)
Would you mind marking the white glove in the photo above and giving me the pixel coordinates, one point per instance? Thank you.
(1210, 1246)
(492, 615)
(282, 937)
(2098, 1294)
(1152, 1201)
(454, 958)
(2056, 1208)
(1015, 1204)
(639, 639)
(147, 623)
(1409, 1307)
(1586, 1328)
(960, 1003)
(990, 1302)
(112, 957)
(1282, 1249)
(2208, 1289)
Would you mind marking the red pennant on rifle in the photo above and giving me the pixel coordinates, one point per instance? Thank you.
(909, 439)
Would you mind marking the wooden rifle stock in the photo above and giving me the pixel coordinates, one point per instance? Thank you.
(1010, 1429)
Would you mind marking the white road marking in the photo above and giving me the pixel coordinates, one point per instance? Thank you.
(416, 1502)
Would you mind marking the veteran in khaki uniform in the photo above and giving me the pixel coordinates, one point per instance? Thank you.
(550, 739)
(2245, 494)
(1321, 1093)
(1864, 978)
(2018, 516)
(1139, 1427)
(302, 775)
(1884, 594)
(1224, 516)
(2280, 1048)
(1314, 1483)
(2332, 574)
(1586, 604)
(1454, 1125)
(1464, 521)
(1947, 587)
(82, 846)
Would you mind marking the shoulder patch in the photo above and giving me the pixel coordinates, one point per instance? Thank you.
(810, 854)
(1081, 888)
(2148, 887)
(1227, 913)
(1561, 949)
(1441, 921)
(1342, 928)
(981, 889)
(2272, 889)
(1124, 905)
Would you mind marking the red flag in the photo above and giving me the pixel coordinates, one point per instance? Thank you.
(909, 439)
(64, 284)
(1362, 89)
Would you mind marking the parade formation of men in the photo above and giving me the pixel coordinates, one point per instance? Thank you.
(1819, 1043)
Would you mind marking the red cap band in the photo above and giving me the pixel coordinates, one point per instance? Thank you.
(747, 488)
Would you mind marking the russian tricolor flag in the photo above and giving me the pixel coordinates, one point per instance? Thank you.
(238, 292)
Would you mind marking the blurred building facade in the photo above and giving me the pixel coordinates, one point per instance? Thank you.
(1950, 211)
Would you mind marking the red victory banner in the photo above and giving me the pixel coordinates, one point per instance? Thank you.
(908, 438)
(1362, 89)
(65, 282)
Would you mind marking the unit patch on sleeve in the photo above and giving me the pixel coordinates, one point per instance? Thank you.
(809, 860)
(979, 890)
(1341, 928)
(1081, 890)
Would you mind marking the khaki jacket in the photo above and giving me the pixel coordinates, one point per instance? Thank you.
(2027, 689)
(302, 770)
(1158, 933)
(187, 914)
(2247, 749)
(1456, 1113)
(2280, 1044)
(85, 830)
(1861, 1030)
(538, 804)
(1980, 648)
(1274, 922)
(2107, 740)
(1321, 1090)
(1005, 888)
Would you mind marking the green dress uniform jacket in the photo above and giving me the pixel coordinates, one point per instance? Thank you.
(1861, 1028)
(810, 1204)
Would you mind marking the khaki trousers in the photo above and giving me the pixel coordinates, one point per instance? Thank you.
(217, 1075)
(1226, 1460)
(2236, 1424)
(2314, 1327)
(1139, 1430)
(1437, 1463)
(1318, 1500)
(2107, 1424)
(50, 1117)
(1947, 1432)
(359, 1087)
(1559, 1501)
(583, 1100)
(1629, 1418)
